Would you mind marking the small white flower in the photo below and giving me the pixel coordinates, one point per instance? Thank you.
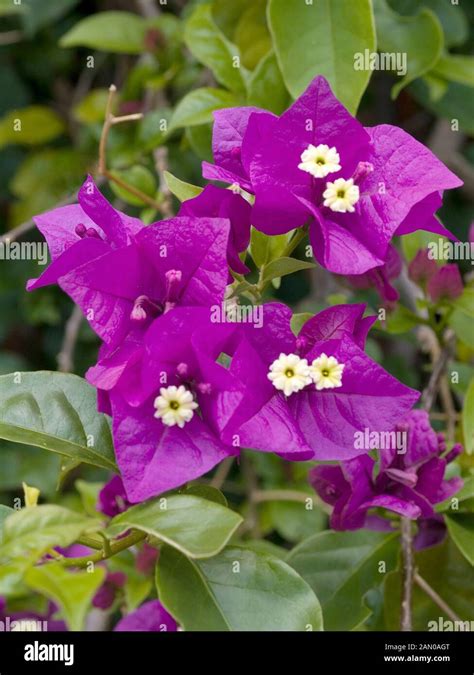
(175, 405)
(289, 373)
(326, 372)
(341, 195)
(320, 160)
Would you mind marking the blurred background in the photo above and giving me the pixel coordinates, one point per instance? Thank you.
(57, 60)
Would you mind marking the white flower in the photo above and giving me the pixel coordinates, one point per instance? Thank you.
(341, 195)
(326, 372)
(289, 373)
(175, 405)
(320, 160)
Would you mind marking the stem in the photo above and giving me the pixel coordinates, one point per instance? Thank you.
(221, 473)
(109, 122)
(90, 542)
(424, 585)
(126, 542)
(295, 240)
(408, 573)
(439, 366)
(71, 333)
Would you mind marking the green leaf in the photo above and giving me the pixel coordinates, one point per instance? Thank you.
(252, 36)
(204, 39)
(91, 108)
(183, 191)
(465, 494)
(468, 420)
(461, 323)
(283, 266)
(138, 177)
(138, 586)
(89, 493)
(58, 412)
(41, 13)
(31, 531)
(420, 37)
(72, 591)
(299, 320)
(200, 140)
(32, 465)
(452, 17)
(293, 521)
(341, 567)
(323, 38)
(208, 492)
(411, 243)
(266, 88)
(457, 104)
(197, 107)
(456, 68)
(118, 32)
(197, 527)
(30, 126)
(461, 529)
(7, 7)
(264, 248)
(448, 573)
(238, 590)
(465, 302)
(401, 320)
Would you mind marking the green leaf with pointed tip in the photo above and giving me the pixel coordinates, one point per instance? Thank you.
(284, 266)
(264, 248)
(468, 419)
(72, 591)
(323, 38)
(252, 36)
(33, 530)
(451, 16)
(34, 125)
(456, 68)
(197, 527)
(341, 567)
(461, 529)
(238, 590)
(266, 88)
(57, 412)
(208, 492)
(205, 40)
(419, 37)
(117, 32)
(180, 189)
(197, 107)
(299, 320)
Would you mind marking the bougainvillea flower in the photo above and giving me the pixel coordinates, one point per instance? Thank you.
(105, 596)
(229, 129)
(380, 277)
(181, 261)
(150, 617)
(216, 202)
(78, 233)
(112, 499)
(165, 424)
(340, 392)
(316, 164)
(422, 267)
(408, 483)
(446, 284)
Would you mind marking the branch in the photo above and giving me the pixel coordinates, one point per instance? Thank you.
(161, 163)
(126, 542)
(109, 122)
(440, 359)
(424, 585)
(221, 473)
(66, 355)
(408, 572)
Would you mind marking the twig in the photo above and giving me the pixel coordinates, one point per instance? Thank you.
(66, 355)
(10, 37)
(222, 472)
(28, 225)
(407, 557)
(251, 483)
(109, 122)
(126, 542)
(161, 163)
(424, 585)
(440, 358)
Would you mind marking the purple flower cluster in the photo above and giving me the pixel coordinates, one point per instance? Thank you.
(186, 390)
